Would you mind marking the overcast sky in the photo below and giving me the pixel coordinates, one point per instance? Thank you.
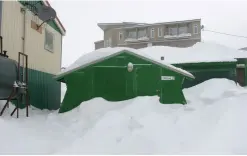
(80, 19)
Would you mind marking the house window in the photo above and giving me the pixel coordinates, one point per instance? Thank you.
(132, 34)
(160, 32)
(152, 33)
(183, 30)
(142, 33)
(173, 31)
(108, 43)
(120, 36)
(195, 29)
(49, 41)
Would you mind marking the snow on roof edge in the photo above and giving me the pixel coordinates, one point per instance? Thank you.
(132, 52)
(168, 66)
(215, 61)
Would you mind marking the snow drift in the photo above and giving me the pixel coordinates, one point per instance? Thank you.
(211, 123)
(198, 53)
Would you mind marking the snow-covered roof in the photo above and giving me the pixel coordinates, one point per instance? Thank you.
(199, 53)
(104, 53)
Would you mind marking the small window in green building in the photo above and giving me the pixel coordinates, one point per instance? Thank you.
(49, 41)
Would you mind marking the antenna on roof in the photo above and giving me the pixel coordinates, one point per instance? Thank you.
(46, 13)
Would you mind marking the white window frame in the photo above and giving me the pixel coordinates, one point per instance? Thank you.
(45, 45)
(120, 36)
(160, 32)
(195, 26)
(152, 33)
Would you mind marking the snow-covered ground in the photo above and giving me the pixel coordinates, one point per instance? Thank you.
(213, 122)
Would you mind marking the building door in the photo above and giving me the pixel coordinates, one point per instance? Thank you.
(147, 80)
(110, 83)
(241, 76)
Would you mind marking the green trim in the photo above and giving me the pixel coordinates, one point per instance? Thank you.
(38, 4)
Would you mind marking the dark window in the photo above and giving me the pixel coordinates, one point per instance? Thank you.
(49, 41)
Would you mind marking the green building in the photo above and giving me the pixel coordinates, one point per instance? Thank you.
(117, 74)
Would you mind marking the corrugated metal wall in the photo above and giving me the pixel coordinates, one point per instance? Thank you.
(44, 91)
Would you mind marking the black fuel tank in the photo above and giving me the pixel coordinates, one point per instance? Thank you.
(8, 75)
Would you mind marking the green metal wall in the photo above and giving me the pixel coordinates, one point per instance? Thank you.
(44, 91)
(111, 80)
(206, 71)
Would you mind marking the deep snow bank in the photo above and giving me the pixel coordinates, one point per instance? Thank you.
(211, 123)
(200, 52)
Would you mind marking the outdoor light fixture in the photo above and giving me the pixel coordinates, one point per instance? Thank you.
(130, 67)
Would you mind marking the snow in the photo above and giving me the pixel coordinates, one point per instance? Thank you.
(104, 53)
(198, 53)
(177, 36)
(201, 52)
(145, 38)
(213, 122)
(131, 40)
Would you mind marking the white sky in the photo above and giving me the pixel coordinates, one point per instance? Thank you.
(80, 19)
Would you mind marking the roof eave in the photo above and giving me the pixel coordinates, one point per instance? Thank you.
(58, 22)
(62, 75)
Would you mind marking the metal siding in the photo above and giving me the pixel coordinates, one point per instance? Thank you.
(12, 32)
(1, 9)
(44, 90)
(43, 59)
(110, 80)
(12, 26)
(38, 5)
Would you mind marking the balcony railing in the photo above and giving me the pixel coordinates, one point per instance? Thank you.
(183, 35)
(145, 38)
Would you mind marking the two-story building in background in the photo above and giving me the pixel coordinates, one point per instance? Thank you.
(139, 35)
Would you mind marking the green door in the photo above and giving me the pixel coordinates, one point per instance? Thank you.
(171, 89)
(110, 83)
(147, 79)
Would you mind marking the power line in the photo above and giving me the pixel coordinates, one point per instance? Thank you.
(225, 33)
